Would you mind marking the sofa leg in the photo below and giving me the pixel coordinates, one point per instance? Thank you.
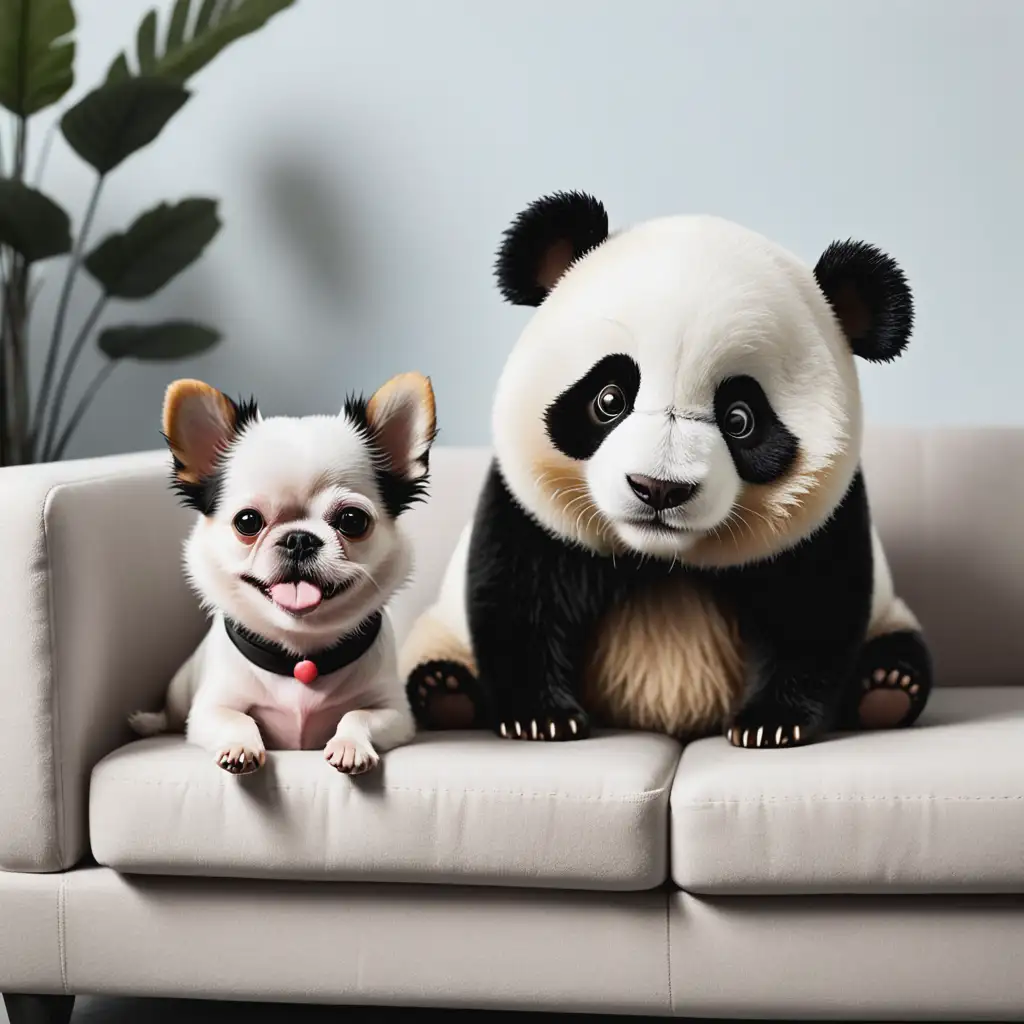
(26, 1009)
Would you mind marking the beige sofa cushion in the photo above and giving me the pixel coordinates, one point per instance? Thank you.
(459, 808)
(935, 808)
(95, 617)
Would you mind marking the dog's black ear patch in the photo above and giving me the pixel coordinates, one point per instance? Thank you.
(870, 296)
(398, 426)
(544, 240)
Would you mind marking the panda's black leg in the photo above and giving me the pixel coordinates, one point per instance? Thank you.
(445, 694)
(891, 685)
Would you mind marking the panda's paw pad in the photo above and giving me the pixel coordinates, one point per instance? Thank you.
(557, 726)
(443, 695)
(889, 695)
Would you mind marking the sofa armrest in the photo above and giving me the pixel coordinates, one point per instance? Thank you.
(95, 617)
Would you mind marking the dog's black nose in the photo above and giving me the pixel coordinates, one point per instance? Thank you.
(301, 544)
(661, 494)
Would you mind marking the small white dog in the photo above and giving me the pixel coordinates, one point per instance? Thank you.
(296, 551)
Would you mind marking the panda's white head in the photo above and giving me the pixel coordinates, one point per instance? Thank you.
(686, 389)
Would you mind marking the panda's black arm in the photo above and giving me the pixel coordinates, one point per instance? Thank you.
(531, 602)
(804, 617)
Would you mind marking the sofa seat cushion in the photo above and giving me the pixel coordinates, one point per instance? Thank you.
(935, 808)
(465, 808)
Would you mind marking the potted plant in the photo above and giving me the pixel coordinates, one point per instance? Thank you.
(121, 115)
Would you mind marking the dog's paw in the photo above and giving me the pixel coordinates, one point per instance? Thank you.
(349, 757)
(551, 724)
(148, 723)
(240, 760)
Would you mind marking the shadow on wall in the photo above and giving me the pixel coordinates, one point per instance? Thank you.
(302, 208)
(309, 275)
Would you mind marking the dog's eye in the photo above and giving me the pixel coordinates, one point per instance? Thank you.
(352, 522)
(248, 522)
(739, 421)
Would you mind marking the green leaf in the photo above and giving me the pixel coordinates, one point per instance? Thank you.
(156, 248)
(110, 123)
(206, 13)
(118, 69)
(145, 42)
(30, 223)
(36, 56)
(175, 339)
(218, 24)
(176, 28)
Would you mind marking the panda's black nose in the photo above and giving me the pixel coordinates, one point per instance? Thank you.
(661, 494)
(300, 544)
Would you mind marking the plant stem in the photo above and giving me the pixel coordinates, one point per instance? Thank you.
(4, 320)
(65, 374)
(62, 312)
(83, 404)
(45, 152)
(15, 370)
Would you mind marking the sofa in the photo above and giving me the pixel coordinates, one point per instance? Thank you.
(867, 876)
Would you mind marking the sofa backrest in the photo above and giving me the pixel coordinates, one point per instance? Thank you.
(948, 503)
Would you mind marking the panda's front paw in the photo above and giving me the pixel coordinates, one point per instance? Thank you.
(767, 725)
(542, 720)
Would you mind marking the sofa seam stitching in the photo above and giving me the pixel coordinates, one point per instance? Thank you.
(61, 929)
(668, 946)
(644, 797)
(60, 818)
(838, 799)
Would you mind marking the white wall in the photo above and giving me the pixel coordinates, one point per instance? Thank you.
(368, 156)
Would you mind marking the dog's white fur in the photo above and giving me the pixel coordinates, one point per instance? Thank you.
(297, 472)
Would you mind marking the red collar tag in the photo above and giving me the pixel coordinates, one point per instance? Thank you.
(306, 672)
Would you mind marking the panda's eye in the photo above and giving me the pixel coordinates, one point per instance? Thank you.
(738, 421)
(248, 522)
(610, 404)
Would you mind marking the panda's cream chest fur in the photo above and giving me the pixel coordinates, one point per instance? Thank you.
(667, 659)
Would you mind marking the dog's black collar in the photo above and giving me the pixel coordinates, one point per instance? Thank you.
(274, 658)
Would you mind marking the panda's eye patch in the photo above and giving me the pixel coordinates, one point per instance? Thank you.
(762, 448)
(738, 421)
(610, 403)
(583, 415)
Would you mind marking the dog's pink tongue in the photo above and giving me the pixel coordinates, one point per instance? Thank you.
(296, 597)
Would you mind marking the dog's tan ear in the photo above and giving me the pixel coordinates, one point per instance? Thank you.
(403, 422)
(199, 422)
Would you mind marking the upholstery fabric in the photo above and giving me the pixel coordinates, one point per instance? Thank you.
(455, 808)
(858, 958)
(94, 618)
(783, 958)
(935, 808)
(947, 502)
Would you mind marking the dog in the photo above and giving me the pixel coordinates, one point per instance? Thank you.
(295, 552)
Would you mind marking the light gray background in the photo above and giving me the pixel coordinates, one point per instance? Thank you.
(368, 156)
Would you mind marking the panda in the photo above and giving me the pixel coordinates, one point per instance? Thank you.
(674, 534)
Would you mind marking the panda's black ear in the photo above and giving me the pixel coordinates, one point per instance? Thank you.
(870, 296)
(543, 240)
